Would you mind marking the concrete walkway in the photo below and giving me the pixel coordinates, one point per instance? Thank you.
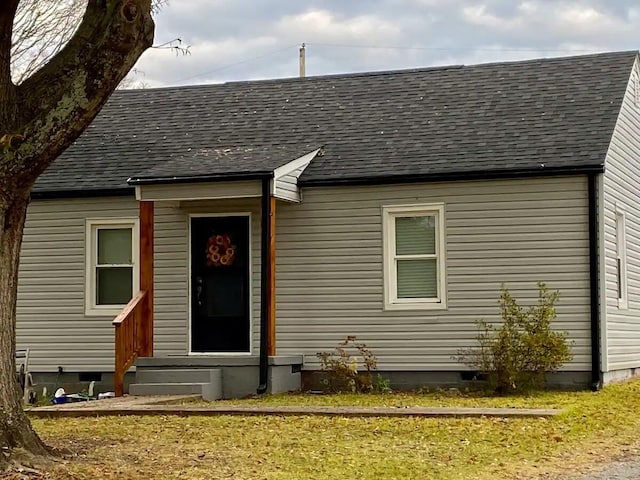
(626, 468)
(178, 405)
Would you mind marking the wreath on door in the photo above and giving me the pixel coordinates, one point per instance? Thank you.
(221, 252)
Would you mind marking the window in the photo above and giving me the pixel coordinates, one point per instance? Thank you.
(112, 270)
(621, 259)
(414, 257)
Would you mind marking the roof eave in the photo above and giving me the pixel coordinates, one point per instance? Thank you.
(133, 181)
(84, 193)
(455, 176)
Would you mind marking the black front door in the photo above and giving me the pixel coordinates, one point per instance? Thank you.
(220, 284)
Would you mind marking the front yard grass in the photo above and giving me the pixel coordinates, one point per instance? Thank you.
(593, 427)
(433, 398)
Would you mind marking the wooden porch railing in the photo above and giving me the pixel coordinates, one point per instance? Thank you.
(132, 337)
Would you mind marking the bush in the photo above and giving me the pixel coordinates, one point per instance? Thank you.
(516, 355)
(343, 367)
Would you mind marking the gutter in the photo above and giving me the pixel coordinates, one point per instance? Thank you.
(381, 180)
(540, 171)
(85, 193)
(596, 372)
(201, 178)
(265, 233)
(132, 181)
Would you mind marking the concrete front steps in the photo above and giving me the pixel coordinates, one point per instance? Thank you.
(214, 377)
(199, 381)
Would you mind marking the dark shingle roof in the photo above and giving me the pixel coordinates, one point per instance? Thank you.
(220, 162)
(501, 117)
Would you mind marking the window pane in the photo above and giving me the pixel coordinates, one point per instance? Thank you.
(114, 285)
(415, 235)
(114, 246)
(417, 278)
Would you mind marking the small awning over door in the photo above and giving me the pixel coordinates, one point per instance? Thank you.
(225, 172)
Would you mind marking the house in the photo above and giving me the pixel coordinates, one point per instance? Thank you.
(257, 223)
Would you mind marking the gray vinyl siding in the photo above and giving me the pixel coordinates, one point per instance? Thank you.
(330, 272)
(51, 288)
(287, 186)
(622, 191)
(51, 319)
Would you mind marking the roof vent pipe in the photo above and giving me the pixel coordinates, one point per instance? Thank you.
(302, 61)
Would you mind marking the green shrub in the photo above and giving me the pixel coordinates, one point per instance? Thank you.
(382, 385)
(517, 354)
(342, 367)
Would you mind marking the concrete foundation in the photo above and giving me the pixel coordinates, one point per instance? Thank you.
(620, 375)
(414, 380)
(73, 382)
(239, 377)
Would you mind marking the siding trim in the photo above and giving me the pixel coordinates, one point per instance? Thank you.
(90, 245)
(602, 282)
(621, 187)
(391, 300)
(284, 185)
(303, 161)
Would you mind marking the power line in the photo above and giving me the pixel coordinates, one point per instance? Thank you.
(268, 54)
(380, 47)
(397, 47)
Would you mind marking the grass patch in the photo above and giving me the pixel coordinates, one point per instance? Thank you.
(282, 448)
(435, 398)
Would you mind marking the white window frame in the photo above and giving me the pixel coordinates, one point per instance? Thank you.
(391, 300)
(91, 254)
(622, 279)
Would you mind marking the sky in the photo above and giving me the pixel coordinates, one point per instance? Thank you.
(256, 39)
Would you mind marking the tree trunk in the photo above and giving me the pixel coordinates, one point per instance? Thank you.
(39, 119)
(15, 428)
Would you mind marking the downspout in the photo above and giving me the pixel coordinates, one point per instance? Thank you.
(596, 372)
(265, 234)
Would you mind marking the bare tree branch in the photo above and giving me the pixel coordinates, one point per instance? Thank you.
(7, 88)
(175, 45)
(59, 99)
(42, 27)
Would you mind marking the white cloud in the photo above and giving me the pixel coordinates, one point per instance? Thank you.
(246, 39)
(539, 22)
(583, 20)
(480, 15)
(326, 26)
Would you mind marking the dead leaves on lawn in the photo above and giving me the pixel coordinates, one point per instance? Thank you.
(287, 448)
